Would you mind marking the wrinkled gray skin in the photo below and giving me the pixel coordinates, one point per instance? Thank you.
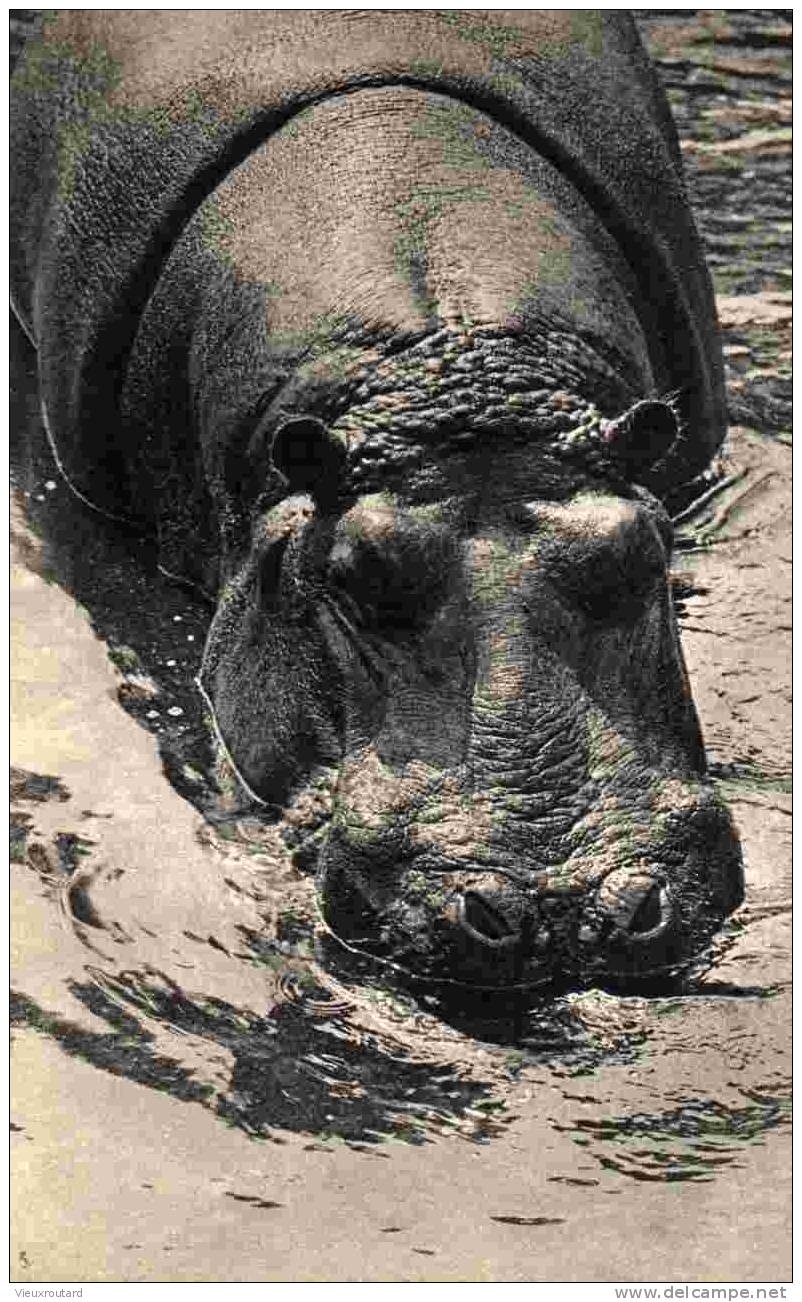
(461, 609)
(521, 785)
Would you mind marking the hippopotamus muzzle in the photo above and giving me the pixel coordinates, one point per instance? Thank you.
(638, 925)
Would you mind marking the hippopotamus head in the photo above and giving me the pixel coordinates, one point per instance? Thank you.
(485, 650)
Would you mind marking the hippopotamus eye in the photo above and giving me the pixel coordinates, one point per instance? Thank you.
(394, 584)
(611, 576)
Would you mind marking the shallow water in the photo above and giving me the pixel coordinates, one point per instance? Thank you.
(185, 955)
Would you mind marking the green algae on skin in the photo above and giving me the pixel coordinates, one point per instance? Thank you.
(425, 206)
(126, 659)
(368, 420)
(74, 140)
(37, 73)
(426, 67)
(585, 29)
(42, 71)
(297, 124)
(493, 571)
(198, 114)
(620, 834)
(754, 783)
(455, 128)
(433, 513)
(553, 271)
(353, 827)
(506, 83)
(486, 702)
(592, 497)
(532, 198)
(74, 137)
(429, 203)
(432, 812)
(335, 364)
(714, 161)
(514, 626)
(554, 267)
(420, 888)
(359, 522)
(514, 804)
(383, 501)
(495, 38)
(316, 338)
(607, 752)
(214, 231)
(100, 75)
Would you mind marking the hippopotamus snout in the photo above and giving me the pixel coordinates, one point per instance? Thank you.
(633, 926)
(482, 920)
(647, 919)
(640, 911)
(638, 905)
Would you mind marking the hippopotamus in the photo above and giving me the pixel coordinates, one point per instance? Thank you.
(393, 329)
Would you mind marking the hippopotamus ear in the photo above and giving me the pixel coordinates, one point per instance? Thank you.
(305, 452)
(642, 436)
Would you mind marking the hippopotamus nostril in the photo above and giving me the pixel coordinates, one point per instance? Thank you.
(652, 915)
(483, 922)
(638, 905)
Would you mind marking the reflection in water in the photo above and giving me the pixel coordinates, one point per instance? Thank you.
(688, 1143)
(341, 1052)
(308, 1066)
(361, 1062)
(294, 1069)
(123, 1052)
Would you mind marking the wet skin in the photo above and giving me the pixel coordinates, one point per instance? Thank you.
(521, 791)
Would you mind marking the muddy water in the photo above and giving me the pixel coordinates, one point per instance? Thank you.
(206, 1087)
(183, 1017)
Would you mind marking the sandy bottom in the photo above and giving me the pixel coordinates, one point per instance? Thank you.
(296, 1131)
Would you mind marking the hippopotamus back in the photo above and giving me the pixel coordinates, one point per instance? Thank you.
(125, 121)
